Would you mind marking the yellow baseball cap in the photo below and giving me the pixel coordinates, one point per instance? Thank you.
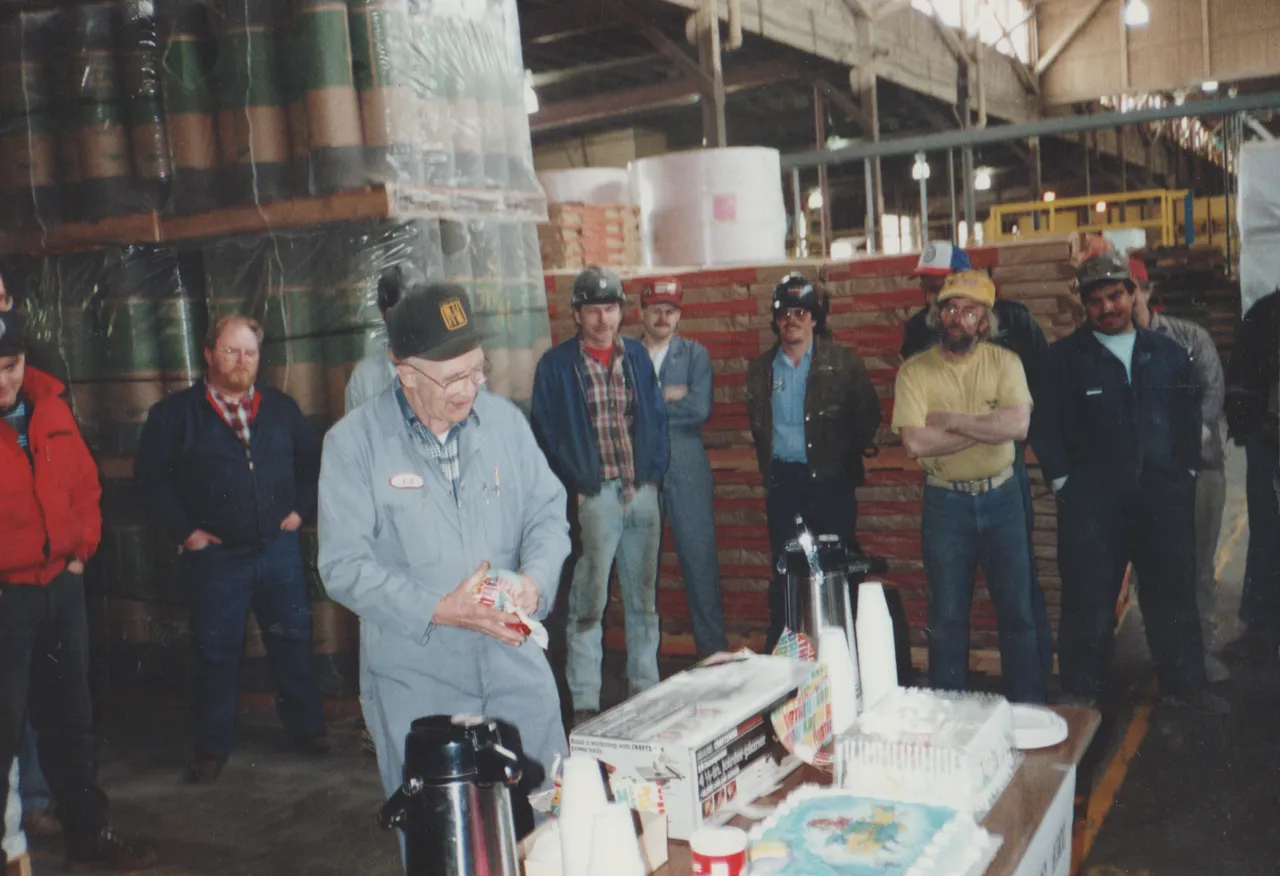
(969, 284)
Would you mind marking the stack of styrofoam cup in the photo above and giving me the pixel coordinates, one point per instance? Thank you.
(582, 800)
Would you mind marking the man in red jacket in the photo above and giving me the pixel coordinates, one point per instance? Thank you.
(49, 527)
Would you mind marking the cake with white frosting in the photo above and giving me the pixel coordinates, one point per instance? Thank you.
(832, 832)
(949, 749)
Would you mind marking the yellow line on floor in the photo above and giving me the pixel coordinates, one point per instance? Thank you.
(1224, 552)
(1104, 792)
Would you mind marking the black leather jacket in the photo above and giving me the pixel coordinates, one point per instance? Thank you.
(841, 410)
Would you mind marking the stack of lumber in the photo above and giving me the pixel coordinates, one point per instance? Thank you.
(1192, 283)
(727, 310)
(578, 235)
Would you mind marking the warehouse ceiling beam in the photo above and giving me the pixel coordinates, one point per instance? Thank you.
(1056, 126)
(672, 51)
(563, 22)
(1051, 54)
(953, 42)
(1021, 70)
(649, 98)
(1258, 128)
(889, 7)
(555, 77)
(845, 103)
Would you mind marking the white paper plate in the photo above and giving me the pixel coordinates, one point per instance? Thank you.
(1037, 727)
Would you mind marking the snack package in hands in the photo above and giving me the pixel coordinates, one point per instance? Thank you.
(497, 590)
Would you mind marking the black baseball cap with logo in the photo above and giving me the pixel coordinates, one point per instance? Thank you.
(433, 321)
(12, 335)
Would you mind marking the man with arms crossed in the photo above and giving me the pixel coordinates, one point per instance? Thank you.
(959, 408)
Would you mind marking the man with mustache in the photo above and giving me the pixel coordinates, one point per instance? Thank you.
(959, 407)
(684, 375)
(602, 422)
(813, 412)
(1117, 430)
(229, 469)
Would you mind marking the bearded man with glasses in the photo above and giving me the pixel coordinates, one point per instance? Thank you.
(229, 469)
(959, 408)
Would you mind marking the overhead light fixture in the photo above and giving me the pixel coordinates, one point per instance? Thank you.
(837, 142)
(982, 179)
(1179, 97)
(1050, 197)
(1137, 13)
(815, 200)
(1210, 87)
(1100, 207)
(530, 96)
(920, 170)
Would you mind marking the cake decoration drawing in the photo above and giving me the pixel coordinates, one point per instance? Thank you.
(828, 832)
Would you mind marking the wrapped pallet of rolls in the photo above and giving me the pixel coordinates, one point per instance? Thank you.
(94, 146)
(29, 186)
(253, 122)
(187, 52)
(139, 43)
(321, 58)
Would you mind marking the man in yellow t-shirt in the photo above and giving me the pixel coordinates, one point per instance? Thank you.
(959, 406)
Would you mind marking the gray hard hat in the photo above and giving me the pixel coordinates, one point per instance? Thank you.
(595, 285)
(1107, 267)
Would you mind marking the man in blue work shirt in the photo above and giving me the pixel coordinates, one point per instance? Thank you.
(1117, 429)
(684, 376)
(813, 413)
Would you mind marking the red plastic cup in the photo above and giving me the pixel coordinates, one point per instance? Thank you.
(719, 851)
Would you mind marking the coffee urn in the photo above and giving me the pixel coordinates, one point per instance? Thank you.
(455, 804)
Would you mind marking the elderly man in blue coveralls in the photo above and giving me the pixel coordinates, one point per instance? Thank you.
(423, 490)
(684, 375)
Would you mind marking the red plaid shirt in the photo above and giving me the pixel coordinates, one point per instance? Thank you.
(239, 415)
(610, 402)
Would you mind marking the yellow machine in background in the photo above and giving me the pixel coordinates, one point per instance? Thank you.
(1169, 217)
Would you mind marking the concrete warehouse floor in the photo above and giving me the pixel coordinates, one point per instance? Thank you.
(1164, 795)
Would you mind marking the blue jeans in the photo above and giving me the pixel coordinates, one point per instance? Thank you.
(631, 534)
(959, 532)
(223, 584)
(1039, 609)
(31, 781)
(1260, 602)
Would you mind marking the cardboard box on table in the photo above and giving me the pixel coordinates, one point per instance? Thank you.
(700, 743)
(1049, 853)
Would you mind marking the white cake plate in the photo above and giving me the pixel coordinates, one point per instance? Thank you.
(1037, 727)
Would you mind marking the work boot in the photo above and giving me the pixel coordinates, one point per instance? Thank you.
(107, 850)
(41, 823)
(1253, 648)
(1215, 670)
(317, 745)
(204, 770)
(1199, 699)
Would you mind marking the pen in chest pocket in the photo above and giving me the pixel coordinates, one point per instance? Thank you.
(497, 481)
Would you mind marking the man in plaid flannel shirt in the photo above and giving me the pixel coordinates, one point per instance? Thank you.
(229, 468)
(601, 420)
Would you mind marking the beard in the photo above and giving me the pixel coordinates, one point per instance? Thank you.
(239, 379)
(958, 342)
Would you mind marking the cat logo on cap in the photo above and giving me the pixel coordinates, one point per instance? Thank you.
(453, 314)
